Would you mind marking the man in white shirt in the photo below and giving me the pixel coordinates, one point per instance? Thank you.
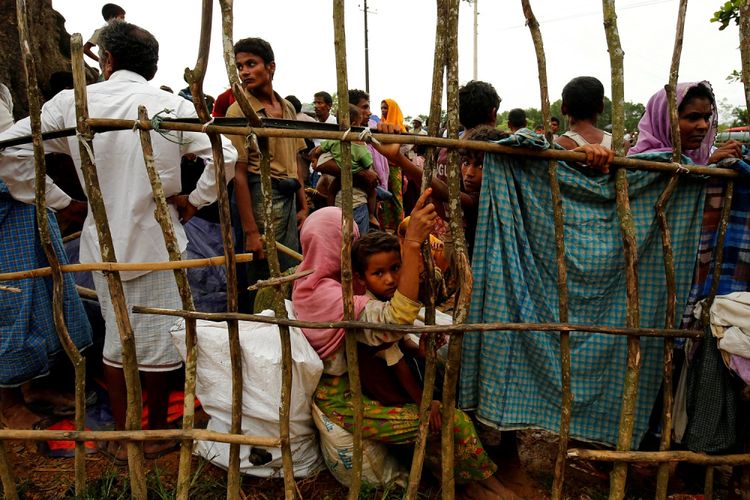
(322, 102)
(128, 59)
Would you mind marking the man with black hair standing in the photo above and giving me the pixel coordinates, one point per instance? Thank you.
(256, 65)
(128, 58)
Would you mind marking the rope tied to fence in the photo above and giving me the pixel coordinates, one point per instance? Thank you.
(84, 139)
(680, 169)
(204, 128)
(156, 122)
(251, 141)
(345, 134)
(366, 136)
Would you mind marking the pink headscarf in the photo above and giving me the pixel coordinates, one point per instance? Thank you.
(654, 135)
(318, 297)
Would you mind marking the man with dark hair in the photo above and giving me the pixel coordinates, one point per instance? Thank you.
(582, 103)
(478, 103)
(554, 126)
(256, 66)
(516, 119)
(128, 57)
(323, 102)
(110, 12)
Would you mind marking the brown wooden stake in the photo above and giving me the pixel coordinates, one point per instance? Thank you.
(708, 489)
(6, 475)
(140, 435)
(453, 329)
(136, 465)
(417, 463)
(125, 266)
(662, 478)
(744, 30)
(347, 231)
(108, 124)
(618, 477)
(463, 271)
(281, 280)
(42, 221)
(195, 79)
(651, 457)
(562, 270)
(162, 215)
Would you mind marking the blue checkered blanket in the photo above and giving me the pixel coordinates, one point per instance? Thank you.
(28, 339)
(512, 379)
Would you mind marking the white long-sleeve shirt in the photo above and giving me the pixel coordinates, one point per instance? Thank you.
(119, 162)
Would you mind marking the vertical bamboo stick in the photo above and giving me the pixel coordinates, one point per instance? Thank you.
(347, 221)
(415, 473)
(630, 390)
(744, 29)
(195, 78)
(562, 271)
(455, 219)
(6, 475)
(58, 281)
(745, 49)
(134, 410)
(662, 480)
(186, 296)
(708, 488)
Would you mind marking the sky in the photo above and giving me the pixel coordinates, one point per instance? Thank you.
(402, 37)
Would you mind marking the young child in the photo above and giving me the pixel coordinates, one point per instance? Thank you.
(110, 12)
(387, 373)
(327, 158)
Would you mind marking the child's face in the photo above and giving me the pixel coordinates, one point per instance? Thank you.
(382, 274)
(471, 171)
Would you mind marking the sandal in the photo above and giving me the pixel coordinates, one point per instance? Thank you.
(164, 451)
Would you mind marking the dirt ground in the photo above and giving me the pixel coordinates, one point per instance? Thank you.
(529, 474)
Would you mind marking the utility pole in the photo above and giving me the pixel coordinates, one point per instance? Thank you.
(367, 55)
(476, 24)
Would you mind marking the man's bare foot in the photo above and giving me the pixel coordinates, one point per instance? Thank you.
(156, 449)
(488, 489)
(374, 223)
(17, 416)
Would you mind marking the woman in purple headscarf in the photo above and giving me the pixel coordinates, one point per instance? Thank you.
(696, 108)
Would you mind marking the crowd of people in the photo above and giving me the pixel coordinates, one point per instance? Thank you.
(392, 221)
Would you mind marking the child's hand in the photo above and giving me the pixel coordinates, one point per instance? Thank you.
(314, 154)
(436, 421)
(422, 219)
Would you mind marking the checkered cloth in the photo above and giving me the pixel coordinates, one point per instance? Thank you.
(513, 378)
(153, 342)
(28, 338)
(735, 265)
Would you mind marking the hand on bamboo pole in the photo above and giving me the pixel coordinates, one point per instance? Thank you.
(185, 209)
(597, 156)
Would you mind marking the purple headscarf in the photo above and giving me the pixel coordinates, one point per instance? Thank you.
(654, 135)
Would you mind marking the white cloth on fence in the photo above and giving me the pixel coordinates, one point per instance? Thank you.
(261, 393)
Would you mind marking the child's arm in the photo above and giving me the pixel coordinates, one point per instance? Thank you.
(87, 50)
(409, 382)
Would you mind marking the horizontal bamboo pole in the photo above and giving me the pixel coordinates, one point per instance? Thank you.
(279, 280)
(447, 329)
(142, 435)
(71, 236)
(124, 266)
(11, 289)
(659, 457)
(488, 147)
(86, 293)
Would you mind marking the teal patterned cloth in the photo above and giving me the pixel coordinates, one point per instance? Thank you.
(512, 379)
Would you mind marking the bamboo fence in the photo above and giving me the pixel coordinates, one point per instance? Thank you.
(445, 72)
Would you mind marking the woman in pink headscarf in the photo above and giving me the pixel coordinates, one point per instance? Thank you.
(318, 297)
(696, 108)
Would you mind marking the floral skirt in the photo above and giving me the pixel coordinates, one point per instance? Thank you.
(400, 425)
